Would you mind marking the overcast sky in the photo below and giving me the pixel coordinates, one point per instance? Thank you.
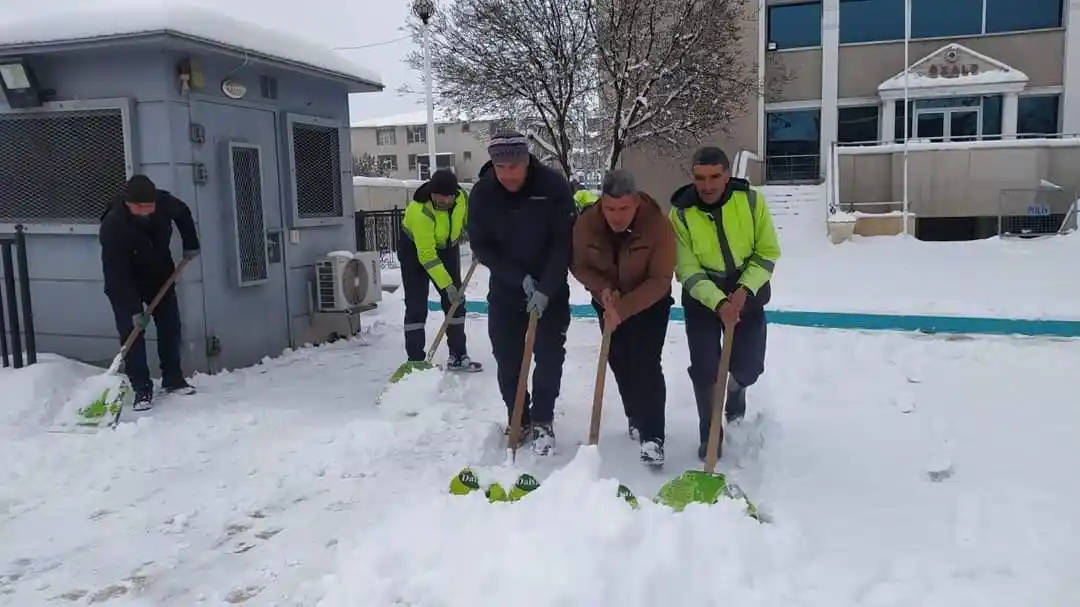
(331, 23)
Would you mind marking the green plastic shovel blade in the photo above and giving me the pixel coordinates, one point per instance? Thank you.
(408, 367)
(693, 487)
(697, 487)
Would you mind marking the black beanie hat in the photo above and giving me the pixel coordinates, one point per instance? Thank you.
(444, 183)
(140, 189)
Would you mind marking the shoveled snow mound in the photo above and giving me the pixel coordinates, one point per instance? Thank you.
(570, 542)
(33, 395)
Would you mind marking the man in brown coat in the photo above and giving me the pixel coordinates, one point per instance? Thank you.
(624, 254)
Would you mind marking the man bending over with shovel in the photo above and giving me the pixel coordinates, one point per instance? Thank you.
(136, 262)
(624, 254)
(430, 251)
(727, 248)
(521, 219)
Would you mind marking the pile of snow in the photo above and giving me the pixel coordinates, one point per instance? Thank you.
(572, 542)
(34, 395)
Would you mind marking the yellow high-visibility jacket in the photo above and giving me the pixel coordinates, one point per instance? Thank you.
(432, 230)
(748, 233)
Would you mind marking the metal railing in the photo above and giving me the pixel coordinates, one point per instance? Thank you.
(379, 231)
(16, 291)
(792, 168)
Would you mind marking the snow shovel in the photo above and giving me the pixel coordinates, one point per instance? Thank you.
(467, 481)
(408, 367)
(598, 407)
(109, 392)
(707, 486)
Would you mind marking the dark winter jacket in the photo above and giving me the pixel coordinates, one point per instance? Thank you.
(528, 232)
(135, 256)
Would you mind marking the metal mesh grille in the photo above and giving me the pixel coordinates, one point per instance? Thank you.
(317, 158)
(1034, 212)
(250, 228)
(60, 167)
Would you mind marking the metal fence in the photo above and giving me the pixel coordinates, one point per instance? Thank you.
(1034, 212)
(792, 168)
(379, 231)
(15, 305)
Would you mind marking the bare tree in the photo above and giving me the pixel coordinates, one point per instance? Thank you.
(673, 70)
(526, 60)
(367, 165)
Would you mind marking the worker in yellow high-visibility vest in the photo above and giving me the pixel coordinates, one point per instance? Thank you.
(726, 251)
(430, 252)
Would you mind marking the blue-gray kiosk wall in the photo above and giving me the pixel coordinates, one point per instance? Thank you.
(248, 295)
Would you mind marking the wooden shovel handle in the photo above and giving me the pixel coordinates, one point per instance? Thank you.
(719, 402)
(153, 305)
(523, 384)
(450, 313)
(598, 390)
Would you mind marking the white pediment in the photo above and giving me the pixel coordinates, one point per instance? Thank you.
(954, 69)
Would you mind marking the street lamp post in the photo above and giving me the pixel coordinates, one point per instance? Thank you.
(425, 9)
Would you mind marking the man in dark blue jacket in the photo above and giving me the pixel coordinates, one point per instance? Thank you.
(521, 222)
(136, 262)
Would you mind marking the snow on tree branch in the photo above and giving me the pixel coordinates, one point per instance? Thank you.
(508, 58)
(674, 71)
(367, 165)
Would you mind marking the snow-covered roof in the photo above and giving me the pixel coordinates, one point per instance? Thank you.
(113, 21)
(992, 74)
(416, 118)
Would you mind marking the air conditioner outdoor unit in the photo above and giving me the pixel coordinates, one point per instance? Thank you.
(345, 281)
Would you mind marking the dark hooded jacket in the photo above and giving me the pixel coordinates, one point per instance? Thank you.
(528, 232)
(135, 255)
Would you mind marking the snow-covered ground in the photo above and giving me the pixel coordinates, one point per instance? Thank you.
(1010, 278)
(898, 470)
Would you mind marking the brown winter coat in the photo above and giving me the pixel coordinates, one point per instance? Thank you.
(639, 264)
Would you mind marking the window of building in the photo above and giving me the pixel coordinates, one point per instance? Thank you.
(858, 124)
(793, 145)
(466, 156)
(412, 162)
(1038, 115)
(388, 161)
(795, 25)
(934, 18)
(871, 20)
(1020, 15)
(316, 161)
(883, 20)
(416, 134)
(465, 128)
(441, 129)
(386, 136)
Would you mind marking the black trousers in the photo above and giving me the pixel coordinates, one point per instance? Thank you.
(704, 335)
(507, 324)
(415, 281)
(635, 359)
(167, 322)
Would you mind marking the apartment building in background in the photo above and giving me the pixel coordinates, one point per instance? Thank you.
(979, 70)
(399, 143)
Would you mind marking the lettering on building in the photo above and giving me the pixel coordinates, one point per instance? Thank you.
(952, 70)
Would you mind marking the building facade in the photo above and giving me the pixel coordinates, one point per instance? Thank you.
(399, 144)
(248, 127)
(834, 70)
